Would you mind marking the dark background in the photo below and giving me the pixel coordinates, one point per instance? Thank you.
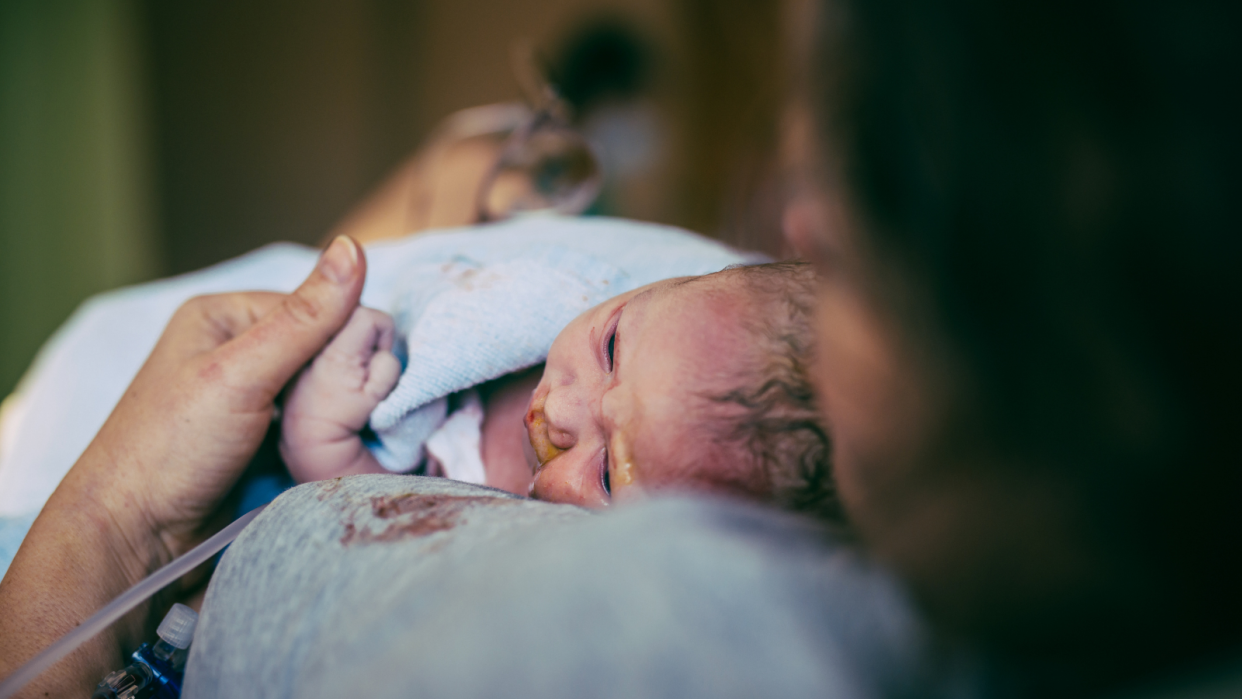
(141, 138)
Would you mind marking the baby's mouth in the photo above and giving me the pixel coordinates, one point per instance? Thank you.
(537, 432)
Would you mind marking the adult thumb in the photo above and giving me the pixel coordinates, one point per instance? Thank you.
(271, 351)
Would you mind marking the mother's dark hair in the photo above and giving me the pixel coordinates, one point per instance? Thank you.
(1058, 182)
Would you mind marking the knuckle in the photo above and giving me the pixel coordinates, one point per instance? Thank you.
(193, 307)
(303, 310)
(375, 317)
(386, 367)
(199, 313)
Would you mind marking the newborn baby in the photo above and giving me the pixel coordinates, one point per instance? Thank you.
(697, 383)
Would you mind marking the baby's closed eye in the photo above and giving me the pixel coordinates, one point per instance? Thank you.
(610, 343)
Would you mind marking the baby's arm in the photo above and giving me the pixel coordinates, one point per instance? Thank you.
(333, 398)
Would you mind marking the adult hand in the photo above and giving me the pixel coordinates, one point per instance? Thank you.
(144, 490)
(200, 406)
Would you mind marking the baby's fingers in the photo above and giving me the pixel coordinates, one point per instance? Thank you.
(368, 339)
(368, 331)
(384, 371)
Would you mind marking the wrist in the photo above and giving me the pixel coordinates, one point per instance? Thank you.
(101, 498)
(81, 553)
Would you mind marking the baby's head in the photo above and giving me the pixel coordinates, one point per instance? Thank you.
(691, 384)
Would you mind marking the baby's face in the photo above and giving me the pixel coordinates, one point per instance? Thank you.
(618, 411)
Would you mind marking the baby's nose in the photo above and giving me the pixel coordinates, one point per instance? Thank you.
(564, 414)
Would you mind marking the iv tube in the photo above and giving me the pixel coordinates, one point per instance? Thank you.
(118, 607)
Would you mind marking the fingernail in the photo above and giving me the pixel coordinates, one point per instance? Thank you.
(340, 260)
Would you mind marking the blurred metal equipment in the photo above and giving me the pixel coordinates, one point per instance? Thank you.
(544, 164)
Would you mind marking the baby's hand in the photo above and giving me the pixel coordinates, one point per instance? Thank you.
(333, 398)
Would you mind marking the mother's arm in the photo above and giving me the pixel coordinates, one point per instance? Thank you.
(149, 484)
(436, 187)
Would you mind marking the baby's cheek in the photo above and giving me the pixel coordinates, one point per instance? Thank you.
(570, 480)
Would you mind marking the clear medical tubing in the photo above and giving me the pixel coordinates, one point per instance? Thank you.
(118, 607)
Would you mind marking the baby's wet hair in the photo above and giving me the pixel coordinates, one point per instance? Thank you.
(775, 419)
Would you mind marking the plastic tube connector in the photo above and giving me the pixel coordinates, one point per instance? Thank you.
(177, 628)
